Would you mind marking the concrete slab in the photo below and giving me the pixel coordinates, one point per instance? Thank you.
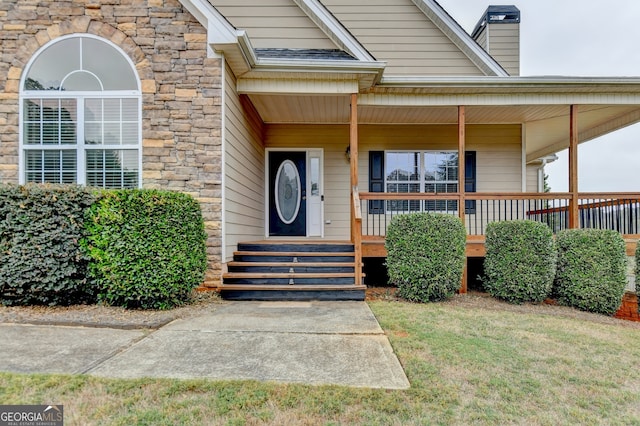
(49, 349)
(286, 317)
(350, 360)
(337, 343)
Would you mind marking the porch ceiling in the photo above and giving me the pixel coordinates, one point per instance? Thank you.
(547, 126)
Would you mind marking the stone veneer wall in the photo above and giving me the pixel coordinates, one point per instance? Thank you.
(181, 87)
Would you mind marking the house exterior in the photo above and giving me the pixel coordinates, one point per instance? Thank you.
(297, 120)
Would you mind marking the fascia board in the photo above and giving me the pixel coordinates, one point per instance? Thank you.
(551, 82)
(318, 66)
(333, 29)
(460, 37)
(219, 30)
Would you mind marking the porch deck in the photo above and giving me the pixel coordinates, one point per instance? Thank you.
(371, 213)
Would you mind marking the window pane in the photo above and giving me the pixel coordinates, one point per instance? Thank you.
(130, 110)
(51, 160)
(440, 167)
(33, 161)
(130, 133)
(108, 64)
(108, 68)
(50, 110)
(32, 110)
(53, 166)
(49, 121)
(112, 133)
(441, 176)
(402, 166)
(68, 121)
(92, 110)
(111, 121)
(112, 110)
(53, 64)
(93, 133)
(112, 168)
(80, 80)
(32, 133)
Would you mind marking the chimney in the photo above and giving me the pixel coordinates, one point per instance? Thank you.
(498, 32)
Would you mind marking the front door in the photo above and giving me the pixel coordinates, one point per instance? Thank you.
(287, 193)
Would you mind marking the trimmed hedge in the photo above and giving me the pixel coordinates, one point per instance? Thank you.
(147, 248)
(636, 270)
(520, 263)
(591, 270)
(40, 258)
(425, 255)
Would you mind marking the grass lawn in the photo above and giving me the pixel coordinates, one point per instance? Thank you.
(467, 365)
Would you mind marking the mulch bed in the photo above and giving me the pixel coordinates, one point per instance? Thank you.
(114, 317)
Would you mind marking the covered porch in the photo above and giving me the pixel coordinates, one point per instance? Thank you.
(535, 117)
(371, 212)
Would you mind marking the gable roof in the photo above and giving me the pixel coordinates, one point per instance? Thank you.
(334, 29)
(244, 59)
(460, 37)
(414, 37)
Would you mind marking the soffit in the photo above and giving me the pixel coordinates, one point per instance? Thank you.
(546, 126)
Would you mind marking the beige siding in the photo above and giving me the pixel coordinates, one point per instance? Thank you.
(481, 38)
(498, 149)
(274, 24)
(504, 46)
(244, 170)
(402, 36)
(532, 178)
(498, 156)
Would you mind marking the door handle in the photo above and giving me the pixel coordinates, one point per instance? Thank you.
(304, 197)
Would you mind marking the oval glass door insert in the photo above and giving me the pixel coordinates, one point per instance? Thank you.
(288, 191)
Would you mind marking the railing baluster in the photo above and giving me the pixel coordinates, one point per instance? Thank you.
(598, 211)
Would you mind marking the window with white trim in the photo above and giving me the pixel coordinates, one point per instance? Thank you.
(421, 171)
(81, 115)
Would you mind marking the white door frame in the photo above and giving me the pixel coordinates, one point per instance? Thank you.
(315, 218)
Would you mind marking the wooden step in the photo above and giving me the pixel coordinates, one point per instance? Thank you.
(293, 292)
(297, 267)
(302, 246)
(318, 287)
(292, 270)
(293, 264)
(312, 278)
(289, 275)
(294, 253)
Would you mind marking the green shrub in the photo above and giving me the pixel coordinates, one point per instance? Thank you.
(147, 248)
(40, 258)
(591, 270)
(425, 255)
(636, 269)
(520, 263)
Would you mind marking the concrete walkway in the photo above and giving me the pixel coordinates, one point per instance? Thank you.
(294, 342)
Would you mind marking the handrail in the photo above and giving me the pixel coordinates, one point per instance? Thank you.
(356, 204)
(495, 195)
(468, 195)
(356, 233)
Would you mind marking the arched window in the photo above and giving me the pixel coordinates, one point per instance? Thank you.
(81, 115)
